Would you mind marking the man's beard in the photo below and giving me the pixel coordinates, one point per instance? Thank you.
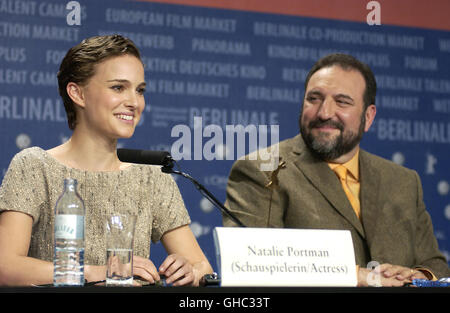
(330, 149)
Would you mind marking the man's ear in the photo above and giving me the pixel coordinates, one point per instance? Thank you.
(75, 93)
(371, 111)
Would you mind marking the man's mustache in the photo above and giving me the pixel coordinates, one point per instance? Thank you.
(321, 123)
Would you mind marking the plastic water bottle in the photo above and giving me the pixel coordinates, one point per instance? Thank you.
(68, 260)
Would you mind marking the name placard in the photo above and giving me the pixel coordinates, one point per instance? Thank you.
(285, 257)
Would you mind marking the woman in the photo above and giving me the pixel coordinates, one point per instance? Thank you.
(101, 81)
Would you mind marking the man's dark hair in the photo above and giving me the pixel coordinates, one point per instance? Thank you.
(348, 62)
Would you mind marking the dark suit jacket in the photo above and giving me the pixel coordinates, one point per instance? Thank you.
(395, 227)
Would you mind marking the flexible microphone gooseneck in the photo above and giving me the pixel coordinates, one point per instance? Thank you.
(164, 159)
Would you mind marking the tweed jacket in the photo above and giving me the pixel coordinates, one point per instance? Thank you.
(394, 228)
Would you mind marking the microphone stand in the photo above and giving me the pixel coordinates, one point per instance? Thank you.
(168, 169)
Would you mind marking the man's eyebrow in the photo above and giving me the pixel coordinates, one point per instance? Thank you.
(314, 93)
(342, 95)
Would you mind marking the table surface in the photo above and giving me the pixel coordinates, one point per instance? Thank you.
(229, 290)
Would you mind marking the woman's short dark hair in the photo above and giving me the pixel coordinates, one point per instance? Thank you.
(78, 66)
(348, 62)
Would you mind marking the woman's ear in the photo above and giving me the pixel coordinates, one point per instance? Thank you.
(75, 93)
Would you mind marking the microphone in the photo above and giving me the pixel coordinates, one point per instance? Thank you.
(147, 157)
(164, 158)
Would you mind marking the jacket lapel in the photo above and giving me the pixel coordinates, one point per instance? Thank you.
(370, 180)
(326, 182)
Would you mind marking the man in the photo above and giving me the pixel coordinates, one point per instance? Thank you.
(326, 181)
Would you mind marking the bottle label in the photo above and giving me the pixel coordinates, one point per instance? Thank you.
(69, 226)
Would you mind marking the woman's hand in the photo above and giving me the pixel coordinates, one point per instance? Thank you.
(186, 263)
(178, 271)
(145, 269)
(142, 267)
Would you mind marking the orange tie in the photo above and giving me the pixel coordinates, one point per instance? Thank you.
(341, 172)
